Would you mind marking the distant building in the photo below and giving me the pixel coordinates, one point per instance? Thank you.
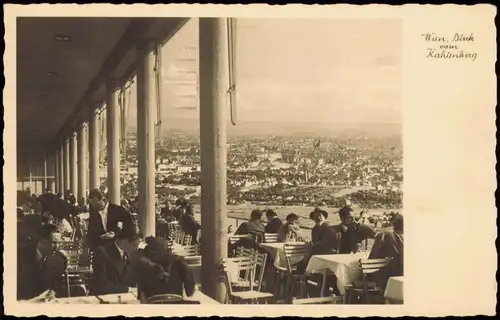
(184, 169)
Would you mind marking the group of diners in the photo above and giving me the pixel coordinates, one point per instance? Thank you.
(123, 262)
(347, 237)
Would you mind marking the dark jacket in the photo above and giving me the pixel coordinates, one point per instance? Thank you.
(389, 245)
(37, 274)
(115, 214)
(355, 234)
(190, 226)
(323, 239)
(273, 226)
(112, 273)
(172, 276)
(250, 227)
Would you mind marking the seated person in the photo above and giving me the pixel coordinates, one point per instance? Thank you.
(322, 234)
(40, 264)
(161, 272)
(289, 231)
(64, 226)
(114, 270)
(274, 223)
(189, 225)
(351, 234)
(389, 245)
(323, 242)
(254, 228)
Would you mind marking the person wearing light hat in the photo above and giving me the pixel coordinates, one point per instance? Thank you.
(290, 230)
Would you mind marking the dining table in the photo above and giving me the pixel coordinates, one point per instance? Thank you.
(276, 252)
(344, 266)
(128, 298)
(393, 293)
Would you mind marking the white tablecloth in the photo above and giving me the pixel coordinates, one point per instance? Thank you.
(276, 253)
(344, 266)
(394, 289)
(124, 298)
(128, 298)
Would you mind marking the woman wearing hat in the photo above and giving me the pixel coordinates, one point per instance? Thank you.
(289, 231)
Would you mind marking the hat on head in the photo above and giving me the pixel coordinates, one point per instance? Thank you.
(292, 216)
(271, 213)
(317, 211)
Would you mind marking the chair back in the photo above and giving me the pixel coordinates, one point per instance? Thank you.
(258, 237)
(260, 268)
(187, 240)
(165, 299)
(235, 238)
(193, 261)
(244, 252)
(295, 252)
(75, 281)
(246, 266)
(193, 250)
(270, 237)
(179, 237)
(368, 267)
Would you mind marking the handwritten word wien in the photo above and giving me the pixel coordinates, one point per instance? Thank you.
(449, 47)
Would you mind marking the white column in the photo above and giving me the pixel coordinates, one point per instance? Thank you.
(74, 164)
(67, 164)
(82, 163)
(146, 110)
(94, 151)
(113, 142)
(213, 75)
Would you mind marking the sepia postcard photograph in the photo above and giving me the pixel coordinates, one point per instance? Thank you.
(222, 156)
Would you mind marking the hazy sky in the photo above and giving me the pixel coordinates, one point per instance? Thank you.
(297, 70)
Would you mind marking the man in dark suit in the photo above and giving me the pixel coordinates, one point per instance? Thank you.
(351, 233)
(274, 223)
(189, 225)
(106, 220)
(254, 226)
(114, 264)
(40, 264)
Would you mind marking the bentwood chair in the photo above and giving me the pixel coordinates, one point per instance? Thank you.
(295, 253)
(249, 296)
(270, 237)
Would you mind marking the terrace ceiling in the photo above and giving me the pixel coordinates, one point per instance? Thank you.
(63, 62)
